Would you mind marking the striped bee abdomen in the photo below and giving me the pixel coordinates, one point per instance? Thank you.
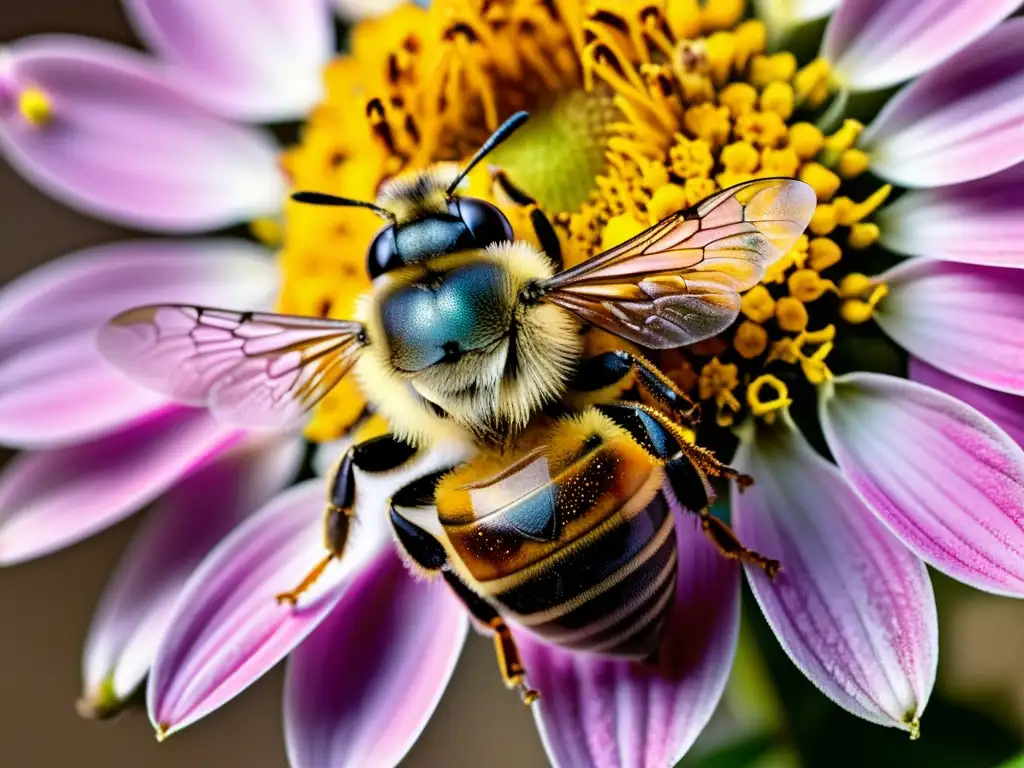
(575, 540)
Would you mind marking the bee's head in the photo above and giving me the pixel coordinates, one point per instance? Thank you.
(425, 217)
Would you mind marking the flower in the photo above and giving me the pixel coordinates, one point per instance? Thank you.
(148, 142)
(640, 109)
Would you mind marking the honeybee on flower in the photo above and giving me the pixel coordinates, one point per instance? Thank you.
(638, 111)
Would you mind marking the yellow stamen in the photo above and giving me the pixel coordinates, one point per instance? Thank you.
(767, 408)
(824, 182)
(862, 235)
(806, 140)
(813, 83)
(824, 253)
(667, 200)
(779, 67)
(718, 380)
(739, 157)
(740, 98)
(758, 304)
(844, 138)
(855, 285)
(852, 163)
(807, 285)
(35, 106)
(721, 14)
(823, 220)
(857, 311)
(750, 340)
(778, 97)
(791, 314)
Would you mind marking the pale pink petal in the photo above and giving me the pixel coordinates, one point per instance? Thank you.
(82, 290)
(945, 479)
(965, 319)
(784, 15)
(228, 630)
(49, 319)
(977, 222)
(125, 143)
(51, 499)
(961, 121)
(361, 688)
(606, 713)
(1005, 410)
(877, 43)
(260, 62)
(189, 521)
(851, 606)
(60, 392)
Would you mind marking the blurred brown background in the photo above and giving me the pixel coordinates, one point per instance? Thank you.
(47, 604)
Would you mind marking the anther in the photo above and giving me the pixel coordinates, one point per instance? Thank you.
(35, 106)
(766, 408)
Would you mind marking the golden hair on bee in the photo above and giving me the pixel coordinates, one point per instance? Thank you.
(418, 194)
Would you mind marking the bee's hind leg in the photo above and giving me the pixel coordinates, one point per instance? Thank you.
(545, 232)
(509, 663)
(378, 454)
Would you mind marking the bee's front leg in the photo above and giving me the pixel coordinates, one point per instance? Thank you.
(378, 454)
(546, 235)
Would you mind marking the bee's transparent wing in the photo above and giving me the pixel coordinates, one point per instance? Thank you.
(679, 282)
(253, 369)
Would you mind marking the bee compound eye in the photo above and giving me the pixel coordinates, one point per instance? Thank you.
(382, 255)
(484, 221)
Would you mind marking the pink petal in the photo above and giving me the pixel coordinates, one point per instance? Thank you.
(260, 62)
(607, 713)
(978, 222)
(191, 519)
(1005, 410)
(125, 143)
(228, 630)
(851, 606)
(961, 121)
(51, 499)
(49, 318)
(944, 478)
(877, 43)
(966, 320)
(362, 687)
(81, 291)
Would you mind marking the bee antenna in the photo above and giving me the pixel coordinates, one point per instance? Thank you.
(320, 198)
(505, 130)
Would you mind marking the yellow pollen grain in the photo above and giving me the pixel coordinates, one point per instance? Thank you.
(855, 285)
(766, 408)
(708, 122)
(778, 97)
(739, 157)
(823, 181)
(862, 235)
(806, 285)
(763, 129)
(751, 39)
(856, 311)
(758, 304)
(35, 106)
(813, 83)
(824, 253)
(699, 189)
(750, 339)
(852, 163)
(740, 98)
(791, 314)
(779, 162)
(806, 140)
(721, 51)
(691, 158)
(823, 220)
(684, 18)
(779, 67)
(718, 380)
(845, 137)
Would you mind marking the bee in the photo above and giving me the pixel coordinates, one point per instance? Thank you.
(562, 520)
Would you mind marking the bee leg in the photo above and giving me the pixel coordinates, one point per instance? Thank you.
(405, 507)
(378, 454)
(611, 367)
(509, 663)
(545, 232)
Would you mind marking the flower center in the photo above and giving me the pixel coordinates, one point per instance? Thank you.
(636, 113)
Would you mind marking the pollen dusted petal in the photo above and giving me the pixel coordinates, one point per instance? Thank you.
(191, 519)
(51, 499)
(878, 43)
(1005, 410)
(961, 121)
(362, 687)
(944, 478)
(977, 222)
(965, 319)
(259, 62)
(851, 606)
(122, 140)
(621, 714)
